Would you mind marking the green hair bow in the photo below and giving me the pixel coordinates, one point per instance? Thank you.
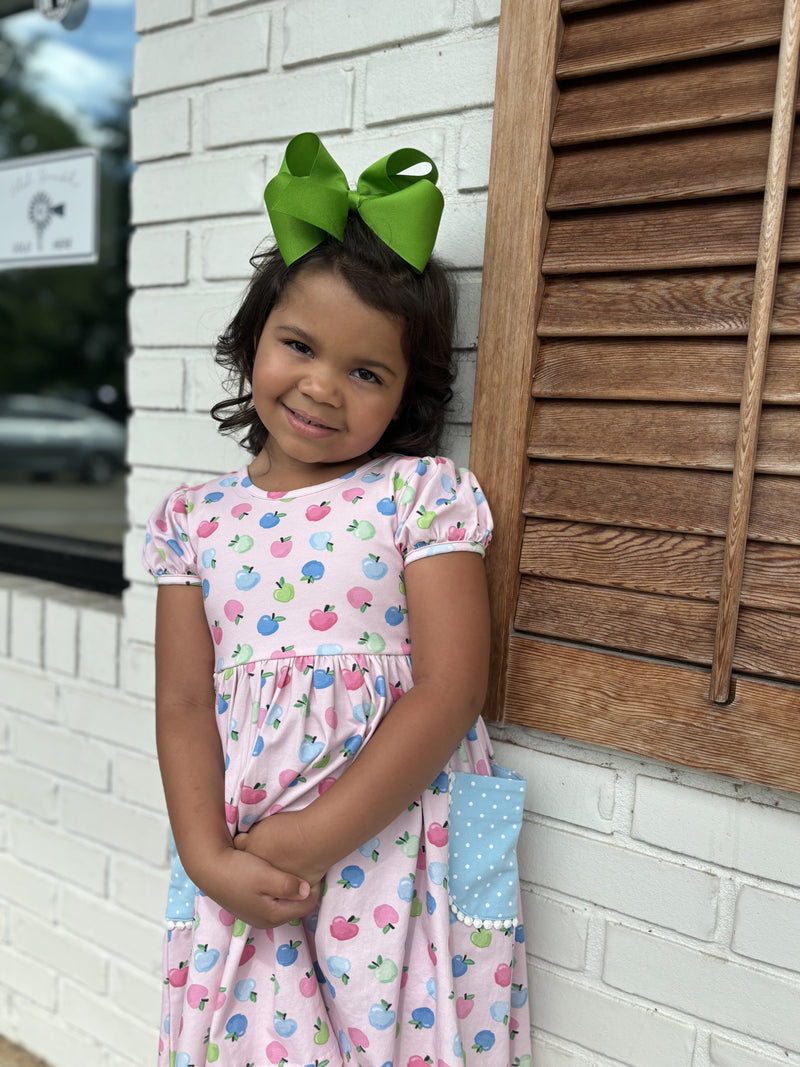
(310, 198)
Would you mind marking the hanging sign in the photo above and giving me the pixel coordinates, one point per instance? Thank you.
(49, 209)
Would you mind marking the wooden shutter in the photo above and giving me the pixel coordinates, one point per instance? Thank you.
(643, 469)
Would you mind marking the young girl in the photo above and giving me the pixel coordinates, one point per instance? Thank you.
(347, 890)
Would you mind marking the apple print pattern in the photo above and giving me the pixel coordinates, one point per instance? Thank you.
(305, 603)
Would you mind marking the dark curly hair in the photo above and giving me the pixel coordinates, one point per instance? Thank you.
(424, 302)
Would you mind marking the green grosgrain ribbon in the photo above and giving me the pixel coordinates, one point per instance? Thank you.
(310, 198)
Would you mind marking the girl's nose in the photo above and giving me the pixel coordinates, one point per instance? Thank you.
(321, 386)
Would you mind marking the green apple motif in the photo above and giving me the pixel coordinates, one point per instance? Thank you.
(363, 530)
(239, 928)
(321, 1032)
(285, 591)
(241, 543)
(481, 938)
(425, 518)
(242, 654)
(212, 1052)
(409, 844)
(416, 906)
(385, 970)
(372, 642)
(398, 482)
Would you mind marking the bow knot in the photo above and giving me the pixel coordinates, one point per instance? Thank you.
(310, 198)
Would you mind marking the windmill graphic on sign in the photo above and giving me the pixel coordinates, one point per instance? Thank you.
(40, 211)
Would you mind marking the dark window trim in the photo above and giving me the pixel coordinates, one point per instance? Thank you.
(93, 565)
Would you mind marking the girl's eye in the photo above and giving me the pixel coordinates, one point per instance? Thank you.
(298, 346)
(365, 375)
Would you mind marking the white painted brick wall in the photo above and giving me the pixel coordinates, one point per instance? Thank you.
(662, 905)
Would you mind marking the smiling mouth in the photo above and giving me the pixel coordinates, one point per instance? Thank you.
(307, 421)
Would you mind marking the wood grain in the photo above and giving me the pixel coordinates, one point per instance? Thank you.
(691, 501)
(659, 710)
(704, 233)
(671, 435)
(766, 283)
(662, 368)
(669, 303)
(723, 161)
(665, 627)
(715, 92)
(529, 37)
(671, 564)
(621, 38)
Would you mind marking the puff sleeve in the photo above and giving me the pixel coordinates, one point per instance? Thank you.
(440, 508)
(169, 553)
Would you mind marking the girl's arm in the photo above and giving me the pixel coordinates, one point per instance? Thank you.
(448, 613)
(192, 769)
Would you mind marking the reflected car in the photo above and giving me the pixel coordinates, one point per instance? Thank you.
(47, 435)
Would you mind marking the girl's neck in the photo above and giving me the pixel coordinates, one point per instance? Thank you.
(273, 475)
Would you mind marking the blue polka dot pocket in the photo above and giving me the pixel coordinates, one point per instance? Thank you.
(485, 819)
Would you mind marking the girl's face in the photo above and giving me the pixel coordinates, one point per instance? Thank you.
(328, 378)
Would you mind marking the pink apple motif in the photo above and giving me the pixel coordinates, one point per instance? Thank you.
(315, 512)
(219, 999)
(323, 620)
(281, 548)
(226, 918)
(359, 598)
(234, 610)
(324, 785)
(197, 996)
(284, 674)
(358, 1037)
(385, 917)
(231, 813)
(464, 1005)
(432, 953)
(216, 632)
(207, 527)
(353, 679)
(353, 494)
(179, 507)
(503, 975)
(483, 767)
(396, 690)
(344, 929)
(177, 975)
(308, 984)
(456, 533)
(238, 511)
(248, 951)
(331, 718)
(276, 1053)
(253, 794)
(285, 778)
(161, 525)
(405, 648)
(437, 834)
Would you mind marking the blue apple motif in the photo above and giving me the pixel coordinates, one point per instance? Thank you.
(432, 989)
(351, 746)
(430, 903)
(339, 967)
(287, 953)
(205, 958)
(374, 567)
(245, 990)
(206, 588)
(209, 558)
(519, 995)
(283, 1026)
(405, 889)
(268, 624)
(352, 877)
(440, 784)
(519, 934)
(309, 749)
(362, 711)
(484, 1039)
(235, 1027)
(212, 498)
(422, 468)
(247, 578)
(274, 716)
(380, 1016)
(380, 686)
(258, 747)
(321, 541)
(323, 678)
(422, 1018)
(394, 616)
(312, 571)
(386, 506)
(176, 548)
(499, 1011)
(271, 519)
(231, 480)
(437, 872)
(460, 965)
(331, 649)
(369, 850)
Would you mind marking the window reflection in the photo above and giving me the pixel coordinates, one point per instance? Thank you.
(64, 328)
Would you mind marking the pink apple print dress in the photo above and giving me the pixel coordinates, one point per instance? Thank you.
(415, 956)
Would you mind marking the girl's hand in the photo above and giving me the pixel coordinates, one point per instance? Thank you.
(279, 839)
(255, 891)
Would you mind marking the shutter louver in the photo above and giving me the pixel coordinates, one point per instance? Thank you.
(642, 283)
